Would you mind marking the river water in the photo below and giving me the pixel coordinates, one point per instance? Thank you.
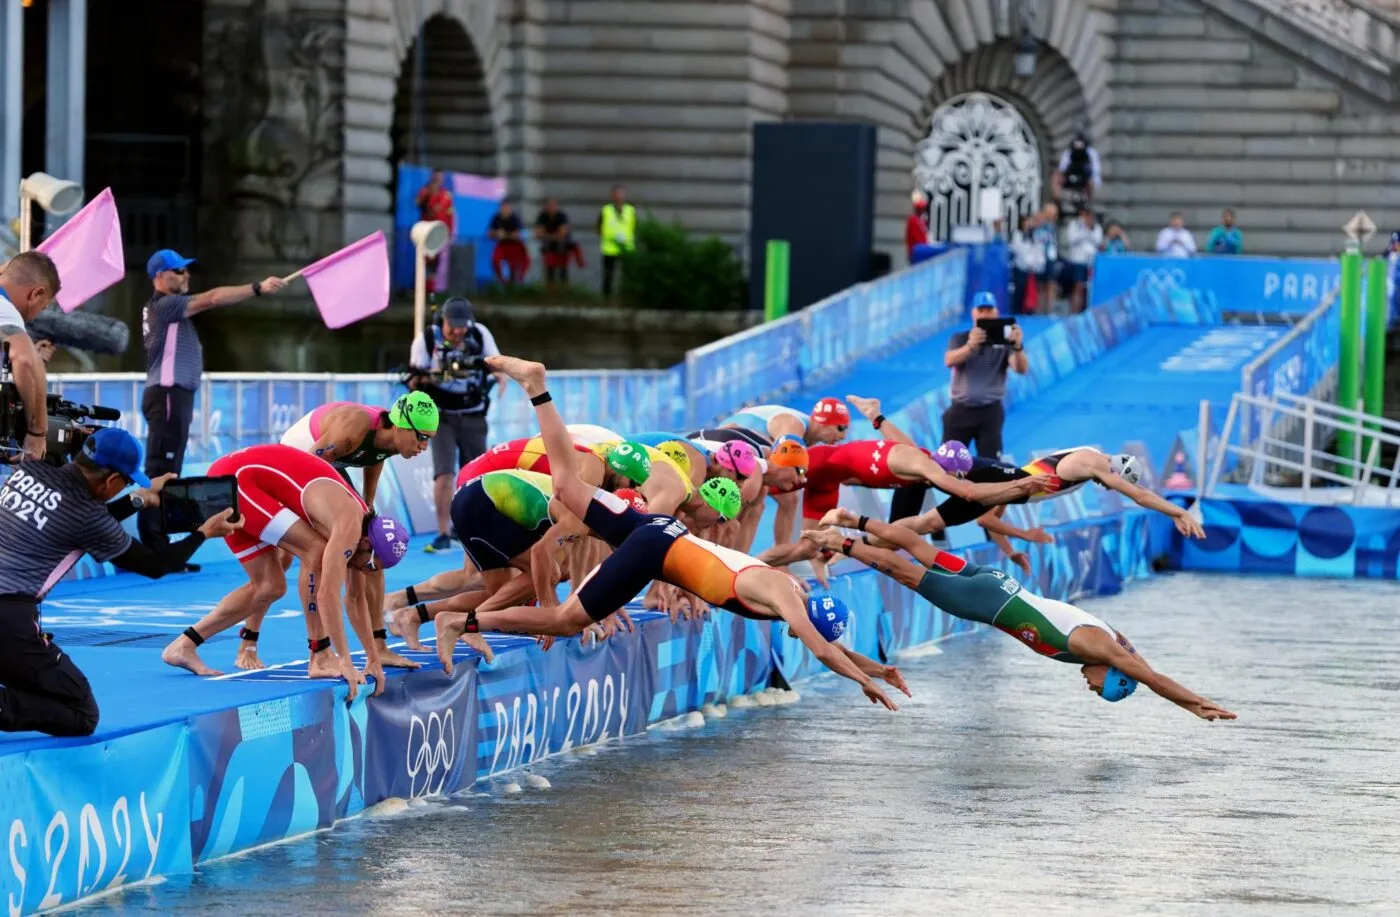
(1004, 786)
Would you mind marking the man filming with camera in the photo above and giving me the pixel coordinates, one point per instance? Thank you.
(50, 516)
(449, 364)
(28, 283)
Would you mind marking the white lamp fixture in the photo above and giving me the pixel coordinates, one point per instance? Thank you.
(1027, 49)
(429, 237)
(55, 195)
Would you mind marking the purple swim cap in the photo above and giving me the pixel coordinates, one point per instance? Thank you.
(737, 456)
(953, 457)
(389, 539)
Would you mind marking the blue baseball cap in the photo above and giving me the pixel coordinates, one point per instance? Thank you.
(114, 448)
(984, 300)
(166, 259)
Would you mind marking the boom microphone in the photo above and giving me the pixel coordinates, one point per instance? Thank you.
(80, 330)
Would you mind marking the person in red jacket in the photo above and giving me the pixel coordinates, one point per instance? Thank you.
(916, 227)
(435, 203)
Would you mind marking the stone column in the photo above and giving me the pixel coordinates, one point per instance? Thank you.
(67, 94)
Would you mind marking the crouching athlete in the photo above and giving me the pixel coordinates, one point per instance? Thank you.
(647, 547)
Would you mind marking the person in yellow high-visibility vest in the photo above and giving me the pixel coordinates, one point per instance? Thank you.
(617, 233)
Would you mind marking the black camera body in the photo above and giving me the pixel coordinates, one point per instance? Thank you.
(462, 381)
(67, 426)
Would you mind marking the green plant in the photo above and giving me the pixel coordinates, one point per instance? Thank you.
(669, 269)
(539, 294)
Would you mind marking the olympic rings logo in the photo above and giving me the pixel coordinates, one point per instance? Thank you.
(1164, 277)
(432, 747)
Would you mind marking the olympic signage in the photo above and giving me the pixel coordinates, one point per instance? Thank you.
(422, 735)
(1198, 288)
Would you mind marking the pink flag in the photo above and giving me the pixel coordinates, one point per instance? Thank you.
(87, 251)
(352, 283)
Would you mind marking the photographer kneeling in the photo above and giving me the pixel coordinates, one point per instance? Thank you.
(449, 364)
(50, 516)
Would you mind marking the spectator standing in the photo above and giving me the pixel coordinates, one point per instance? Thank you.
(1027, 261)
(916, 226)
(174, 365)
(435, 203)
(1079, 171)
(1225, 239)
(1047, 235)
(617, 233)
(1175, 239)
(448, 365)
(556, 242)
(1084, 237)
(1115, 238)
(505, 228)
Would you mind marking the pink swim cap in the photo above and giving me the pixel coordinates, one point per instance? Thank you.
(738, 457)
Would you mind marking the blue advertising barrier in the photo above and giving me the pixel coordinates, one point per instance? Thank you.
(1257, 535)
(757, 365)
(1211, 283)
(85, 816)
(1299, 363)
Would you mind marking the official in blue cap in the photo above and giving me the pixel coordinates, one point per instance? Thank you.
(175, 363)
(114, 449)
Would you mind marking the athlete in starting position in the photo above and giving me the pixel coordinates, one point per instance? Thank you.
(298, 502)
(647, 547)
(1108, 661)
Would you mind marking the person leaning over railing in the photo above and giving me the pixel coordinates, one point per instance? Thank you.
(50, 516)
(28, 283)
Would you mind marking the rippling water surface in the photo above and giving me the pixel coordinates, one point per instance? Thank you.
(1004, 786)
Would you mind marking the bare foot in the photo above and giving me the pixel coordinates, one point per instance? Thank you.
(404, 622)
(247, 657)
(181, 653)
(450, 628)
(525, 372)
(841, 515)
(325, 664)
(394, 660)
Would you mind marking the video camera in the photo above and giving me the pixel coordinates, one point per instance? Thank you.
(68, 428)
(462, 379)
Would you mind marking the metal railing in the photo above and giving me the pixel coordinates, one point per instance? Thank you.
(233, 410)
(1318, 475)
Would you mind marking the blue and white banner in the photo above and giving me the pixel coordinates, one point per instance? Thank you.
(1206, 285)
(764, 362)
(87, 818)
(422, 735)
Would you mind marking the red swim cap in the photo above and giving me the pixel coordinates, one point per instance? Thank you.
(831, 411)
(633, 497)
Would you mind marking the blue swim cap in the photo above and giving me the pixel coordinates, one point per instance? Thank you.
(829, 615)
(1117, 685)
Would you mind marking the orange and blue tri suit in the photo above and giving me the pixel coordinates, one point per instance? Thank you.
(650, 546)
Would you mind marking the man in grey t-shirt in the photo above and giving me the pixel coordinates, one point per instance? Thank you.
(979, 385)
(175, 363)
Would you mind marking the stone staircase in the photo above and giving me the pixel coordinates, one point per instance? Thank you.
(1259, 106)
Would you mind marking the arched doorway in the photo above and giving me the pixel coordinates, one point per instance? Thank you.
(978, 143)
(442, 112)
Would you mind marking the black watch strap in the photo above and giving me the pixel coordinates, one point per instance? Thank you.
(257, 287)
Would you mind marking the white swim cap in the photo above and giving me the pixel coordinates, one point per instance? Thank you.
(1126, 467)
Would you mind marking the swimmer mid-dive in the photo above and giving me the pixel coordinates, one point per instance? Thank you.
(973, 592)
(647, 547)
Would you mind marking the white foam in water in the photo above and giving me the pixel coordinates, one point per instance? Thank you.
(783, 698)
(394, 805)
(919, 652)
(714, 711)
(536, 782)
(741, 702)
(510, 789)
(721, 711)
(417, 801)
(693, 719)
(763, 699)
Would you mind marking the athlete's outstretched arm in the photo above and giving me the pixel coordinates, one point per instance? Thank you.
(870, 409)
(905, 572)
(780, 555)
(558, 444)
(1185, 523)
(890, 674)
(993, 522)
(1095, 646)
(786, 517)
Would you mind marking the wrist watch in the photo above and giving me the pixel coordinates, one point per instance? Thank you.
(257, 287)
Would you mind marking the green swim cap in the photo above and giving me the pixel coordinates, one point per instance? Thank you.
(630, 460)
(414, 411)
(723, 497)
